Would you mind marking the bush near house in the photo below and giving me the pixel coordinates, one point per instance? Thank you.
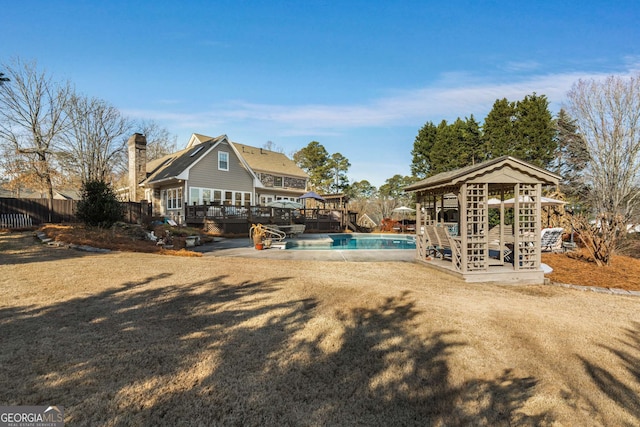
(99, 206)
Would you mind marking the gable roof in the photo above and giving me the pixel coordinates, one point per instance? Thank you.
(197, 138)
(468, 173)
(263, 160)
(254, 159)
(173, 165)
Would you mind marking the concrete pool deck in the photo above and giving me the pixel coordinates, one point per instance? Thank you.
(243, 248)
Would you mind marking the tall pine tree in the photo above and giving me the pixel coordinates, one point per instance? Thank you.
(498, 129)
(534, 131)
(421, 164)
(314, 159)
(571, 157)
(472, 149)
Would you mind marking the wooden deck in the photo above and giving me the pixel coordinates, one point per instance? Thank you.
(238, 219)
(434, 243)
(504, 273)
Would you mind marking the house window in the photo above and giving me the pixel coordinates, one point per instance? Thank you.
(194, 195)
(228, 198)
(265, 199)
(206, 197)
(277, 181)
(247, 199)
(223, 161)
(174, 198)
(217, 197)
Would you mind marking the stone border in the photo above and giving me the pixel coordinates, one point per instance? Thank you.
(610, 291)
(50, 242)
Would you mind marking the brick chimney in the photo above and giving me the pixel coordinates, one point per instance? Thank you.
(137, 146)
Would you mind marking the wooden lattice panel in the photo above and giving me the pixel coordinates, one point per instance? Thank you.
(527, 256)
(476, 201)
(476, 251)
(527, 225)
(476, 254)
(456, 254)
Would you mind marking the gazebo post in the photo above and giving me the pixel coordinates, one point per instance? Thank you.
(462, 232)
(419, 241)
(538, 242)
(485, 225)
(502, 226)
(516, 227)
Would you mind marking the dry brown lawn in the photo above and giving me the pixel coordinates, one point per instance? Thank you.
(144, 339)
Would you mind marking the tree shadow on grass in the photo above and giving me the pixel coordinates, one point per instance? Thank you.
(24, 248)
(219, 352)
(622, 389)
(384, 373)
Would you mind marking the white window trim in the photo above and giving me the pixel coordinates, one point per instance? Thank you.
(179, 197)
(222, 201)
(219, 158)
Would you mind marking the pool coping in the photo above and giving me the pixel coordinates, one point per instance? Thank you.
(243, 248)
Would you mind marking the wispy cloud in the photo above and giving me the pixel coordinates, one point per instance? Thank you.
(519, 66)
(444, 99)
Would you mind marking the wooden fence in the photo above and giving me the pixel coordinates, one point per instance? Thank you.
(14, 212)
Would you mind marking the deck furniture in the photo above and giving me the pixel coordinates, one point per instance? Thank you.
(291, 230)
(551, 239)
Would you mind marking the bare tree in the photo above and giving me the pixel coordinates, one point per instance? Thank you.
(607, 114)
(95, 142)
(272, 146)
(160, 141)
(32, 118)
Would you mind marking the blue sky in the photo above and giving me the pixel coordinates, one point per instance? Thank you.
(360, 77)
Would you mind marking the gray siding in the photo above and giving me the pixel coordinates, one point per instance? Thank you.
(206, 174)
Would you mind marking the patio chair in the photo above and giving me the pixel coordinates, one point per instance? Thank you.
(438, 237)
(494, 245)
(551, 239)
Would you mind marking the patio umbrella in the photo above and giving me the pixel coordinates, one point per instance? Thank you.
(288, 204)
(404, 210)
(544, 201)
(312, 195)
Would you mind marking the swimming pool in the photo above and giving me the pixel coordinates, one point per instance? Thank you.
(351, 241)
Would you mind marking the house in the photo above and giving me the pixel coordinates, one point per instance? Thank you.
(211, 171)
(365, 221)
(24, 193)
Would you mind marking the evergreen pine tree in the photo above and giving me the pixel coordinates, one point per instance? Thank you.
(534, 140)
(499, 130)
(421, 164)
(571, 157)
(99, 205)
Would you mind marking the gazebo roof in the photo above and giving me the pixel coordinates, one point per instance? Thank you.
(501, 170)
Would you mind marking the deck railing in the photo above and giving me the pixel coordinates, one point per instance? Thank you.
(234, 219)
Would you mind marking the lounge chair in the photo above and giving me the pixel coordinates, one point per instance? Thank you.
(551, 239)
(495, 250)
(438, 240)
(292, 230)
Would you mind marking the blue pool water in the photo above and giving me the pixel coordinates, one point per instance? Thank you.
(358, 241)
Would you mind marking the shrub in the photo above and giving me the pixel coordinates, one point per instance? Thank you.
(99, 205)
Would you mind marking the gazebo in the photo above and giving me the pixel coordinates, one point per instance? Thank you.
(469, 248)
